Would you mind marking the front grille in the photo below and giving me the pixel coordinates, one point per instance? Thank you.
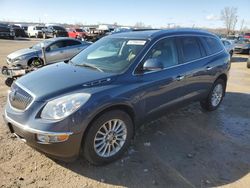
(19, 98)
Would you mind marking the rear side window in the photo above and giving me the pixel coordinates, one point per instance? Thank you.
(190, 48)
(72, 43)
(212, 44)
(56, 45)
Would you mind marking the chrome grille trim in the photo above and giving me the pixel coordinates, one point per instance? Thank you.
(27, 97)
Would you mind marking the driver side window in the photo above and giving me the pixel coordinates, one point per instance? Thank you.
(164, 52)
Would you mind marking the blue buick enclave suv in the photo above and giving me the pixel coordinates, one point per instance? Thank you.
(93, 102)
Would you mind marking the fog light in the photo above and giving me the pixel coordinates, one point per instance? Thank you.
(43, 138)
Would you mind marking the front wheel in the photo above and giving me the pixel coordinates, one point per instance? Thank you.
(215, 97)
(36, 63)
(108, 137)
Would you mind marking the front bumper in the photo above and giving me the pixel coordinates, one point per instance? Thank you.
(11, 62)
(67, 150)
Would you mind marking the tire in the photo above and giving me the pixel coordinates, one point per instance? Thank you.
(9, 81)
(36, 36)
(35, 63)
(213, 101)
(29, 35)
(231, 55)
(248, 63)
(106, 145)
(44, 36)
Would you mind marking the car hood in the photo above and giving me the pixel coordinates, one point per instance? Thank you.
(21, 52)
(56, 79)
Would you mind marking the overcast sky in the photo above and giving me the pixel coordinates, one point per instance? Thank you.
(157, 13)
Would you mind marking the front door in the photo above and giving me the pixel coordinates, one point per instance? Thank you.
(163, 88)
(55, 52)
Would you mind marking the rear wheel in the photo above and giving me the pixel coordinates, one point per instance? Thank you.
(248, 63)
(108, 137)
(44, 36)
(215, 97)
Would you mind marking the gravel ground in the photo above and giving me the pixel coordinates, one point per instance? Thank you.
(184, 148)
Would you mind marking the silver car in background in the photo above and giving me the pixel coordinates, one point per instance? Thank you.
(56, 49)
(229, 46)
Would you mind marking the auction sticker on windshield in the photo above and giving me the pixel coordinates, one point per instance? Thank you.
(136, 42)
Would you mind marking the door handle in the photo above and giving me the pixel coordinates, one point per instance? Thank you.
(180, 77)
(209, 68)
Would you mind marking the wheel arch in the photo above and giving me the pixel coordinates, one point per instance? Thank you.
(224, 78)
(33, 58)
(123, 107)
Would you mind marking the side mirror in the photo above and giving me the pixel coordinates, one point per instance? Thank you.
(47, 49)
(152, 65)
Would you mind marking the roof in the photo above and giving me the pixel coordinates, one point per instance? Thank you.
(149, 34)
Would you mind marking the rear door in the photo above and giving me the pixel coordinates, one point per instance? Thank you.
(196, 67)
(72, 47)
(56, 52)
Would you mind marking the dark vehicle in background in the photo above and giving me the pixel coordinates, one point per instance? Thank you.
(24, 27)
(53, 31)
(76, 33)
(242, 46)
(19, 32)
(56, 49)
(6, 32)
(94, 102)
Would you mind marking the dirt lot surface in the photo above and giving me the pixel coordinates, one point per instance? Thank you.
(185, 148)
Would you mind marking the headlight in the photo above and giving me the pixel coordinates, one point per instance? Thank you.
(19, 58)
(64, 106)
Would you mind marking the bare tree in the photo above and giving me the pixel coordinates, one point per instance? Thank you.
(140, 25)
(230, 18)
(242, 25)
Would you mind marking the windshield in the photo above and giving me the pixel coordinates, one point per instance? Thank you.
(58, 28)
(39, 45)
(79, 30)
(110, 54)
(39, 28)
(243, 41)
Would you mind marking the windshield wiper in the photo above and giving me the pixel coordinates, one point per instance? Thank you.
(90, 66)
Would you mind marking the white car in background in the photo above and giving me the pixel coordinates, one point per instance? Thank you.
(35, 31)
